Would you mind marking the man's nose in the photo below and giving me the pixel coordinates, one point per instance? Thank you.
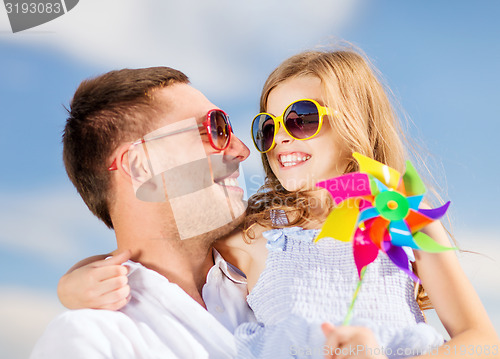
(237, 149)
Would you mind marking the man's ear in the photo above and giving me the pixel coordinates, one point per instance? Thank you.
(136, 164)
(131, 163)
(147, 187)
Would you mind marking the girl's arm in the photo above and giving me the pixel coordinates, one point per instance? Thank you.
(456, 302)
(96, 283)
(248, 255)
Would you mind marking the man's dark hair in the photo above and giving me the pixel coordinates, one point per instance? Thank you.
(105, 112)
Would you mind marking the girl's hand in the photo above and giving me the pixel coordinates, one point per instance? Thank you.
(101, 284)
(350, 342)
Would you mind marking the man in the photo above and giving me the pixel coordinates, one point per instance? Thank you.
(167, 224)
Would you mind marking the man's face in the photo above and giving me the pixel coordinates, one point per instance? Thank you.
(177, 164)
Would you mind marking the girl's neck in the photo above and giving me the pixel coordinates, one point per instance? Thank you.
(320, 204)
(320, 201)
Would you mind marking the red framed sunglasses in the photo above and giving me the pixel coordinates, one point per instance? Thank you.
(216, 124)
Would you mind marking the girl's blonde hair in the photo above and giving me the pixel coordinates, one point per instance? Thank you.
(363, 117)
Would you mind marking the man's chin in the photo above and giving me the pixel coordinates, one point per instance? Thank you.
(220, 232)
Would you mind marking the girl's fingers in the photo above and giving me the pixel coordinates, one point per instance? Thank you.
(100, 274)
(110, 285)
(348, 341)
(114, 296)
(117, 259)
(327, 328)
(332, 341)
(347, 333)
(117, 305)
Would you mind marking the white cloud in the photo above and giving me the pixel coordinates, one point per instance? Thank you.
(221, 43)
(53, 224)
(482, 268)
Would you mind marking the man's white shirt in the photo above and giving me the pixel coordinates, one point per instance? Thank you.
(160, 321)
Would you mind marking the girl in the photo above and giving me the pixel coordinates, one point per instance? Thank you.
(317, 108)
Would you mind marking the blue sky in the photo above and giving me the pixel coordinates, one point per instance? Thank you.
(440, 59)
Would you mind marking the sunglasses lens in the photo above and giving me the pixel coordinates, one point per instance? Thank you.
(263, 132)
(302, 119)
(219, 128)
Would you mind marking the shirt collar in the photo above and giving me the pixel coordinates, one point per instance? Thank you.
(228, 269)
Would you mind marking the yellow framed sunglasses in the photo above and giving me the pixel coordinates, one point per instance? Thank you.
(302, 120)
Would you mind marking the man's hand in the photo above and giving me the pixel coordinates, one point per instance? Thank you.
(101, 284)
(351, 342)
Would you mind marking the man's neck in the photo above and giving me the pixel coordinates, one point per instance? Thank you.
(183, 262)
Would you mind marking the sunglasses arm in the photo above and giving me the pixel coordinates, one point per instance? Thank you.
(142, 140)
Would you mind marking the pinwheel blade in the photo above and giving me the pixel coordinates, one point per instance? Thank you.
(367, 214)
(428, 244)
(347, 186)
(401, 187)
(377, 230)
(401, 235)
(365, 252)
(414, 185)
(415, 201)
(341, 222)
(416, 221)
(435, 213)
(400, 259)
(364, 203)
(383, 173)
(378, 186)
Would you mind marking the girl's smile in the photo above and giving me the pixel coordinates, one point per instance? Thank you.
(292, 159)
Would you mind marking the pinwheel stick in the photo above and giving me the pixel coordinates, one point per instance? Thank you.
(350, 311)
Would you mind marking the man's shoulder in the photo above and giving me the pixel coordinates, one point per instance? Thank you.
(83, 333)
(81, 317)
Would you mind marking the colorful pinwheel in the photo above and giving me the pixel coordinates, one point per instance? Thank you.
(378, 209)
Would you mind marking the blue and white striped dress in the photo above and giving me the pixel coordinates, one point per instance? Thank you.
(305, 284)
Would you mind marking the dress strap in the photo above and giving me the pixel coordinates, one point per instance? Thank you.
(279, 218)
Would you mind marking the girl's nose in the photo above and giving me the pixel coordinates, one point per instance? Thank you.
(282, 137)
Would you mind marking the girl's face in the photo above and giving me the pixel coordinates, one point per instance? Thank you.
(297, 164)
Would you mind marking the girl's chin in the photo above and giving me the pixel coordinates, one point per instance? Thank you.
(294, 186)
